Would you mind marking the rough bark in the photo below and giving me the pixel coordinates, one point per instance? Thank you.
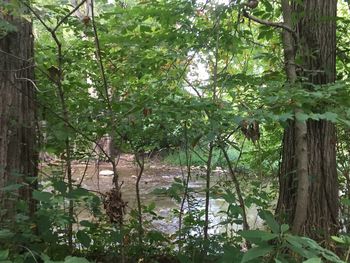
(18, 153)
(316, 29)
(300, 127)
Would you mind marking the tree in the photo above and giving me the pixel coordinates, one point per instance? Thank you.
(18, 153)
(315, 34)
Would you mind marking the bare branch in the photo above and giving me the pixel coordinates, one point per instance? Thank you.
(68, 15)
(17, 70)
(14, 56)
(31, 81)
(193, 87)
(269, 23)
(99, 59)
(59, 23)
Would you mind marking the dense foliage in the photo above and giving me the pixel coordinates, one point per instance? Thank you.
(191, 84)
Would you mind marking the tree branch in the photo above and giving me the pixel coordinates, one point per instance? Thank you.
(99, 60)
(14, 56)
(59, 23)
(38, 17)
(269, 23)
(68, 15)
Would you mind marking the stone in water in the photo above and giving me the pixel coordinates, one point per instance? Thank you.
(106, 172)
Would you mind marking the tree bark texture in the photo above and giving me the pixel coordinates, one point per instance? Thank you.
(316, 31)
(18, 153)
(302, 159)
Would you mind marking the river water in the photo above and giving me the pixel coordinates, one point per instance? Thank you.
(157, 175)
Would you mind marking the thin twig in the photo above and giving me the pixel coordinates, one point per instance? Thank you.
(38, 17)
(85, 170)
(207, 193)
(19, 69)
(186, 183)
(113, 129)
(141, 165)
(193, 87)
(68, 15)
(236, 183)
(14, 56)
(99, 57)
(31, 253)
(31, 81)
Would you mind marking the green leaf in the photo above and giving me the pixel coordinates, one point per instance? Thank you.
(285, 116)
(299, 245)
(301, 117)
(313, 260)
(86, 223)
(338, 239)
(284, 228)
(256, 252)
(330, 256)
(344, 121)
(294, 240)
(330, 116)
(41, 196)
(178, 180)
(47, 259)
(79, 192)
(31, 179)
(184, 258)
(83, 238)
(257, 235)
(4, 254)
(11, 187)
(6, 234)
(315, 116)
(268, 6)
(151, 206)
(75, 260)
(6, 27)
(156, 236)
(196, 140)
(60, 186)
(345, 201)
(229, 197)
(116, 236)
(231, 253)
(270, 221)
(160, 191)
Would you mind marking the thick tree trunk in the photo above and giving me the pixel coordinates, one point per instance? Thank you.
(18, 153)
(322, 214)
(316, 31)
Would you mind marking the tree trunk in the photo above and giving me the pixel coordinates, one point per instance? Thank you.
(18, 153)
(316, 31)
(300, 127)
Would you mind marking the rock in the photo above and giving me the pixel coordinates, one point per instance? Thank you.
(106, 172)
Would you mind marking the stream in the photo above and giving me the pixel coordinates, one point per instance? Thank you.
(158, 175)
